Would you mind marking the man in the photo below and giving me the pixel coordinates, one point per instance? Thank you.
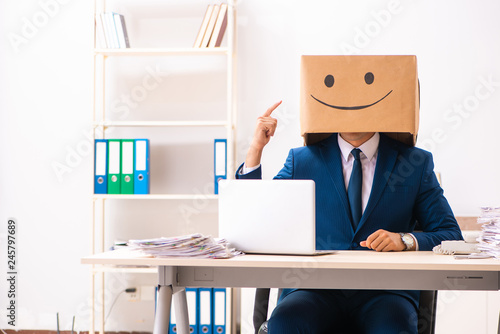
(398, 189)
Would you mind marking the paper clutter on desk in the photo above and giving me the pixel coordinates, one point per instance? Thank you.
(193, 245)
(489, 238)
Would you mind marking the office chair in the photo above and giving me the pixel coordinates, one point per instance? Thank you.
(426, 311)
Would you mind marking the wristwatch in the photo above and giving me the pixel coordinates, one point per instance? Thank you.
(407, 240)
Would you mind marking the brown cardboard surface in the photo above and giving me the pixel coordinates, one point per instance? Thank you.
(337, 94)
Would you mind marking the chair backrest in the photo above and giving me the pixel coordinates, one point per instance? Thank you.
(426, 311)
(260, 308)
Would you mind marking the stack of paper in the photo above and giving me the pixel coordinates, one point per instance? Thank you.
(194, 245)
(489, 239)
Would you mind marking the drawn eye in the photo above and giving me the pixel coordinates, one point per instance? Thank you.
(369, 78)
(329, 80)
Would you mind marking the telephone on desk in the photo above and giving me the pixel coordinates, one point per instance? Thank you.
(462, 249)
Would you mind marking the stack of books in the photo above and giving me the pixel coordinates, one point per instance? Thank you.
(112, 31)
(193, 245)
(212, 27)
(489, 238)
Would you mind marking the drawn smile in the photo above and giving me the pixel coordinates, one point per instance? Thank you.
(350, 108)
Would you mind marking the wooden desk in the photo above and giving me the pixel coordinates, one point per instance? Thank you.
(341, 270)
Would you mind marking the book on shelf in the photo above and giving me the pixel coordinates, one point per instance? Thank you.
(121, 30)
(210, 27)
(203, 27)
(112, 31)
(219, 28)
(213, 27)
(100, 32)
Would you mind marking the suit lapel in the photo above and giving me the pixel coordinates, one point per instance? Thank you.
(386, 159)
(330, 152)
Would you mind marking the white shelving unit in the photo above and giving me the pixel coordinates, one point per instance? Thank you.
(100, 124)
(164, 52)
(158, 196)
(163, 124)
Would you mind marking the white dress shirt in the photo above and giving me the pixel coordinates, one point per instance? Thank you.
(368, 155)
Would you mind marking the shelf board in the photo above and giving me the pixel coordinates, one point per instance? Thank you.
(162, 51)
(160, 123)
(159, 196)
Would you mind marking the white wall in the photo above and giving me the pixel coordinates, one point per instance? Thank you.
(45, 116)
(44, 110)
(456, 47)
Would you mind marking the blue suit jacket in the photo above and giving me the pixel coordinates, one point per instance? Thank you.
(405, 193)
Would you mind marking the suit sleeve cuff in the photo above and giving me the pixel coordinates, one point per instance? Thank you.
(255, 173)
(246, 170)
(415, 240)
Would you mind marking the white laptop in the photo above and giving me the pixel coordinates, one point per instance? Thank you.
(269, 216)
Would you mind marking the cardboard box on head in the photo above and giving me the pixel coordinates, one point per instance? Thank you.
(359, 94)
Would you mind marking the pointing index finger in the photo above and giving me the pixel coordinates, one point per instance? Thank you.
(271, 109)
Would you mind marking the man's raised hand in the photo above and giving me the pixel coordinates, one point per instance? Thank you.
(266, 126)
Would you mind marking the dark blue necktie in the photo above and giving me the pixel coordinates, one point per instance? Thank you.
(354, 188)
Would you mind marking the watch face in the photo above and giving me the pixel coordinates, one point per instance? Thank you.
(408, 240)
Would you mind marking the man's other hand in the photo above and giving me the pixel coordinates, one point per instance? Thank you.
(384, 241)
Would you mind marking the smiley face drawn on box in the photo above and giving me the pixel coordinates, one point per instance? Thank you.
(369, 78)
(359, 94)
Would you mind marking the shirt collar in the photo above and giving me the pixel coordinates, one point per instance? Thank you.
(369, 147)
